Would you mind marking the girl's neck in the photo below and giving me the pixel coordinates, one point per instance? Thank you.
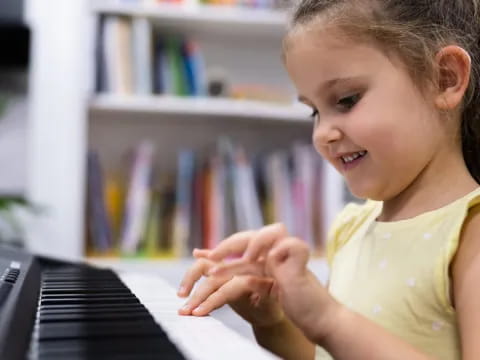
(438, 185)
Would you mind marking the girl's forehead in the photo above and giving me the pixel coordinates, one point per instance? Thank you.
(322, 44)
(315, 57)
(317, 37)
(331, 44)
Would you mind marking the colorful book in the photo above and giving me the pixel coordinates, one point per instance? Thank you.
(183, 203)
(137, 201)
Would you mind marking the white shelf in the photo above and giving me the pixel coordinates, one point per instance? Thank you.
(201, 17)
(202, 107)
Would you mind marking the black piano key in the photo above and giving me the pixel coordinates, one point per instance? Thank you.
(101, 300)
(91, 310)
(75, 330)
(144, 345)
(92, 317)
(87, 306)
(85, 290)
(5, 288)
(89, 282)
(81, 295)
(90, 356)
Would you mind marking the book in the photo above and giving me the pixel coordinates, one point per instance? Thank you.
(97, 218)
(173, 49)
(183, 203)
(114, 195)
(247, 202)
(137, 200)
(118, 54)
(142, 48)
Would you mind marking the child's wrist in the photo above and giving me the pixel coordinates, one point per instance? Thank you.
(325, 324)
(268, 325)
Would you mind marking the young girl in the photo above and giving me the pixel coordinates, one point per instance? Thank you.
(394, 88)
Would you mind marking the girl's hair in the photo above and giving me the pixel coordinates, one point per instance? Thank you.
(414, 30)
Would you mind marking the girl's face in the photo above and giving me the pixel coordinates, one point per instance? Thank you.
(370, 120)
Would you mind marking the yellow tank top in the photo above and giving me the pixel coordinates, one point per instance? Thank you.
(397, 273)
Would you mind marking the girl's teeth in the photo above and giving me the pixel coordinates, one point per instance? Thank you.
(350, 158)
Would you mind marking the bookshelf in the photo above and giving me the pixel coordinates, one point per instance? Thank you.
(195, 108)
(71, 117)
(202, 18)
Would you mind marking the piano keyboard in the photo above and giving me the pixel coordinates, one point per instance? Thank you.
(53, 309)
(198, 338)
(88, 313)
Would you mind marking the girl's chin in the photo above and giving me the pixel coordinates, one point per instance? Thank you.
(368, 195)
(362, 192)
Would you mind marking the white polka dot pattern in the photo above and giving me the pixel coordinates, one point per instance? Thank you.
(412, 282)
(437, 326)
(377, 309)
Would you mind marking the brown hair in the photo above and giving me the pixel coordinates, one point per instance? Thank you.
(414, 30)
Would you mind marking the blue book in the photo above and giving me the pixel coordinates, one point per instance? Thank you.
(98, 222)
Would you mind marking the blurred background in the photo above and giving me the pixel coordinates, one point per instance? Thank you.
(14, 71)
(133, 131)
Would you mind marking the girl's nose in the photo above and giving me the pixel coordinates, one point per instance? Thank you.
(326, 133)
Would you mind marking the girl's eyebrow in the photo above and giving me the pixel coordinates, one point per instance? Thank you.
(303, 99)
(330, 84)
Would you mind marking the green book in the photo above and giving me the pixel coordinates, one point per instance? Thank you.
(174, 56)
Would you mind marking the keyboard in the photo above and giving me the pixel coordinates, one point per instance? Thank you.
(51, 309)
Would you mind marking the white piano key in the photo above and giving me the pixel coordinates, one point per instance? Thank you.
(198, 338)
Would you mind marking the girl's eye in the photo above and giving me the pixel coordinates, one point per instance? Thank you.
(314, 116)
(348, 102)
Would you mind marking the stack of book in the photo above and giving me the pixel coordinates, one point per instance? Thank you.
(134, 59)
(155, 214)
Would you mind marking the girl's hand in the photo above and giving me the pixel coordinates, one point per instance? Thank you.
(252, 297)
(272, 253)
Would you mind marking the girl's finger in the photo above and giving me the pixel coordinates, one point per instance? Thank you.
(204, 290)
(264, 240)
(201, 253)
(288, 258)
(232, 291)
(194, 273)
(238, 267)
(231, 246)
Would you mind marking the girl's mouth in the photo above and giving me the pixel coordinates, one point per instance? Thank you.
(352, 160)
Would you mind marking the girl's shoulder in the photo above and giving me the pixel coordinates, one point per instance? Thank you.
(347, 222)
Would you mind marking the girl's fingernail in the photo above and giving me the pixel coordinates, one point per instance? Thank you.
(181, 290)
(213, 270)
(198, 309)
(186, 307)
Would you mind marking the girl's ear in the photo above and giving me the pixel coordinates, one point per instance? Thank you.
(454, 67)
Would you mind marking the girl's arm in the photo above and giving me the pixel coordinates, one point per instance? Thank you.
(354, 337)
(285, 340)
(466, 289)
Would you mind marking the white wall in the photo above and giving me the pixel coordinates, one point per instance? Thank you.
(59, 83)
(13, 134)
